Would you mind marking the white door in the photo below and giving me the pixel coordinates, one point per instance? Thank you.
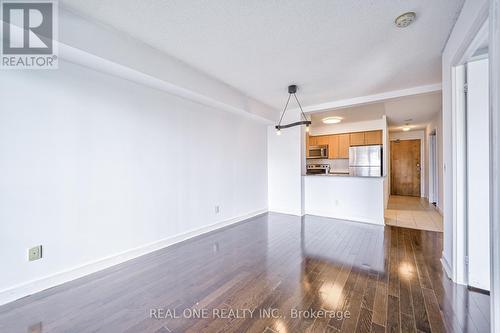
(478, 180)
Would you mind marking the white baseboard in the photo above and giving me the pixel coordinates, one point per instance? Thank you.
(286, 211)
(352, 218)
(447, 267)
(34, 286)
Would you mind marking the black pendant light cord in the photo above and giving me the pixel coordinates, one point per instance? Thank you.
(300, 106)
(284, 110)
(291, 91)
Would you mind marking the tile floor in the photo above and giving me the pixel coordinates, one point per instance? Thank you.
(414, 213)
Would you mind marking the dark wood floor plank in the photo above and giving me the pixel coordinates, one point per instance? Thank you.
(407, 323)
(364, 324)
(369, 295)
(377, 328)
(393, 324)
(433, 312)
(419, 311)
(393, 267)
(389, 279)
(380, 304)
(407, 273)
(423, 274)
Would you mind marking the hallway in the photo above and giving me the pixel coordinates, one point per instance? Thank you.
(413, 213)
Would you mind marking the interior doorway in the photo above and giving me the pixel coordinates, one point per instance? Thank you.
(405, 167)
(433, 169)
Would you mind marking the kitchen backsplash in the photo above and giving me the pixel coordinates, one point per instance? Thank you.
(335, 165)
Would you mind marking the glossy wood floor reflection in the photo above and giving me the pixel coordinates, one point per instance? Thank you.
(376, 278)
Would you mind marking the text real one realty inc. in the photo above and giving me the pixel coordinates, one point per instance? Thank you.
(229, 313)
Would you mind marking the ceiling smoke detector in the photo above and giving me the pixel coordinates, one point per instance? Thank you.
(404, 20)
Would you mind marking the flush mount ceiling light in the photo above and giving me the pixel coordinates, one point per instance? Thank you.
(292, 89)
(407, 126)
(404, 20)
(332, 120)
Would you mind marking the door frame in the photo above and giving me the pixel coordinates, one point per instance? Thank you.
(456, 266)
(433, 186)
(494, 44)
(454, 166)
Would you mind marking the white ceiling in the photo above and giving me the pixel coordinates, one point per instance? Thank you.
(421, 109)
(351, 114)
(333, 49)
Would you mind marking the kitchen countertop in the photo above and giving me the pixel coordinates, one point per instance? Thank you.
(342, 175)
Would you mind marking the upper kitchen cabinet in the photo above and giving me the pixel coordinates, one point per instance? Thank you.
(308, 140)
(344, 143)
(373, 138)
(333, 147)
(357, 139)
(338, 144)
(323, 140)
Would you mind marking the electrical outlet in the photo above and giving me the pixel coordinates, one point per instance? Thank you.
(217, 209)
(35, 253)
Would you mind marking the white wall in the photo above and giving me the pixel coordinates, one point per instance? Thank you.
(478, 165)
(469, 22)
(285, 164)
(414, 135)
(92, 165)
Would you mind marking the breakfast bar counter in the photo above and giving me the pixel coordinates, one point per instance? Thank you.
(345, 197)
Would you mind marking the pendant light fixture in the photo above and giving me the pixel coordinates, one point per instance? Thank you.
(292, 89)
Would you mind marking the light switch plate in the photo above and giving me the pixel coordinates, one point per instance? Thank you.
(35, 253)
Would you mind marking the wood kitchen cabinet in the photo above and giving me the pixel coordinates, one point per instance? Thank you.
(313, 141)
(323, 140)
(338, 144)
(373, 138)
(307, 145)
(344, 144)
(333, 146)
(357, 139)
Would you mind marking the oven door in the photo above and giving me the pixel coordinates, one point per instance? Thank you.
(319, 171)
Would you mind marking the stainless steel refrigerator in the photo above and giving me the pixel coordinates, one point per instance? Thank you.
(365, 161)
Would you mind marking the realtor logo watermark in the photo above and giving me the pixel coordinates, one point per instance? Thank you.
(29, 29)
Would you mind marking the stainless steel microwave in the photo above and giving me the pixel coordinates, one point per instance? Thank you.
(318, 151)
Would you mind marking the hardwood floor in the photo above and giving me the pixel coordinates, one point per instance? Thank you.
(366, 278)
(414, 213)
